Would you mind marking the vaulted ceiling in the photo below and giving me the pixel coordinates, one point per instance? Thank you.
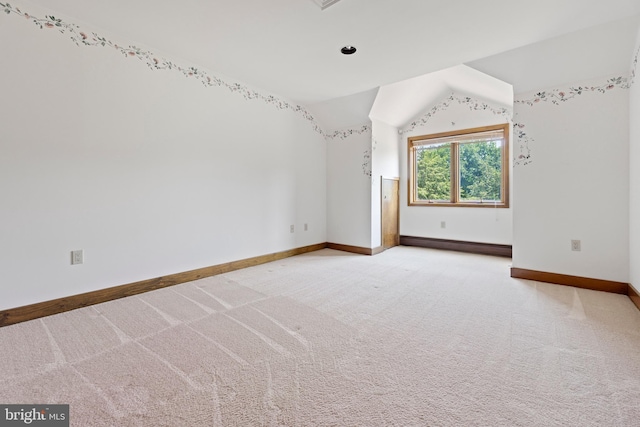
(292, 47)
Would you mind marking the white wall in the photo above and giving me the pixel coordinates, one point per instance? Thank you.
(634, 168)
(149, 172)
(465, 224)
(577, 184)
(349, 190)
(386, 163)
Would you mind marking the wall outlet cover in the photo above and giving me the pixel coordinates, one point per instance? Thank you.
(77, 257)
(576, 245)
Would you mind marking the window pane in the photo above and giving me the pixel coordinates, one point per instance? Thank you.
(433, 172)
(481, 171)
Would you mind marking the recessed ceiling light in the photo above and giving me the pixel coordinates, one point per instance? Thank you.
(348, 50)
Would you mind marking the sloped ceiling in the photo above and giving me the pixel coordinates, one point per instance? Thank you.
(291, 47)
(344, 112)
(398, 103)
(582, 55)
(602, 50)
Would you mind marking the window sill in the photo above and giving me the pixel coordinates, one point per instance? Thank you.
(497, 205)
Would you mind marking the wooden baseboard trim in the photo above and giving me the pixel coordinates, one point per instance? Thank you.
(355, 249)
(378, 250)
(47, 308)
(457, 245)
(575, 281)
(634, 295)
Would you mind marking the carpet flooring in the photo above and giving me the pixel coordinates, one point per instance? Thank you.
(410, 337)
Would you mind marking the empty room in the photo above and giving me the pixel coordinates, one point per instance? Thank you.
(320, 213)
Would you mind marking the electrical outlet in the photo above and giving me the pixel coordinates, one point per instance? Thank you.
(576, 246)
(291, 228)
(306, 227)
(77, 257)
(443, 224)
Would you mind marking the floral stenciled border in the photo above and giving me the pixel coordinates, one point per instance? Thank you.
(154, 62)
(634, 68)
(557, 96)
(472, 103)
(523, 155)
(366, 163)
(367, 158)
(345, 133)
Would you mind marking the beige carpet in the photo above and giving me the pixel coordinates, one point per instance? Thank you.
(410, 337)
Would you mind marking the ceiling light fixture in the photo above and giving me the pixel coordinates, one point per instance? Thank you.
(348, 50)
(325, 3)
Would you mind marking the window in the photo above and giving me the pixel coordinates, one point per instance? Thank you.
(467, 168)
